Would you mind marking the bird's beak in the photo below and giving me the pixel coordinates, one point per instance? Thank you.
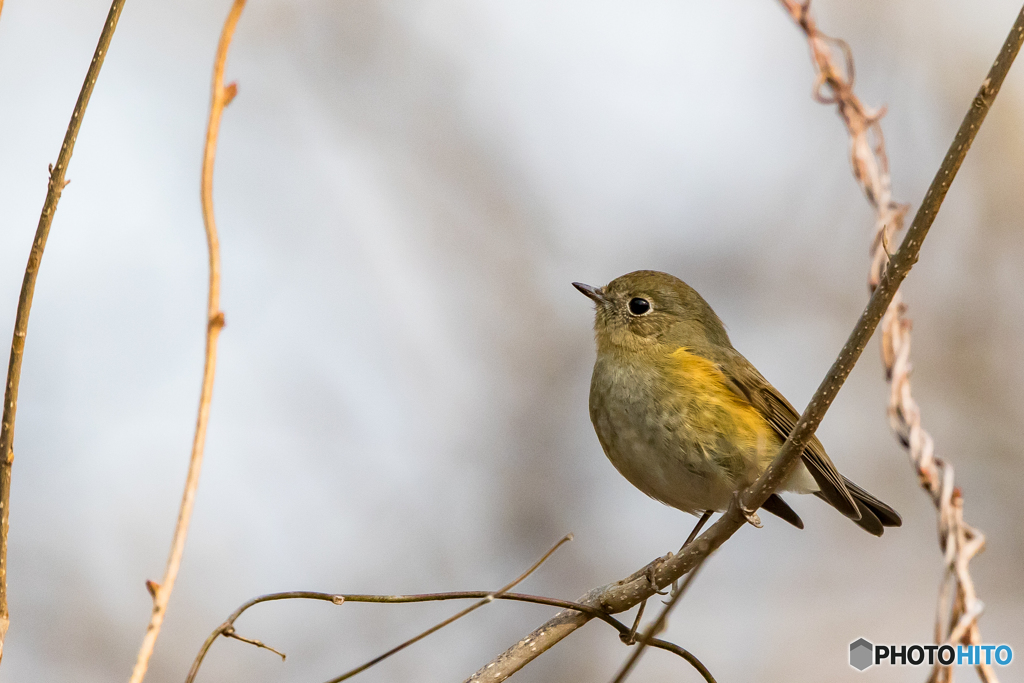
(594, 293)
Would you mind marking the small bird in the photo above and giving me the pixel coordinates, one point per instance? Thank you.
(686, 418)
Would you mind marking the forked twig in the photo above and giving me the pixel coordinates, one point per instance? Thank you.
(489, 598)
(340, 599)
(54, 188)
(227, 628)
(621, 596)
(959, 609)
(222, 96)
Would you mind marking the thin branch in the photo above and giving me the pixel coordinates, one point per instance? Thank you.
(675, 649)
(221, 97)
(340, 599)
(230, 633)
(624, 594)
(54, 188)
(227, 628)
(959, 609)
(489, 598)
(657, 626)
(229, 624)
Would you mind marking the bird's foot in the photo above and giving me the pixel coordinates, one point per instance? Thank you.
(652, 571)
(748, 514)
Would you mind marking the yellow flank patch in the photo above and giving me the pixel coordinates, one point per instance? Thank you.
(712, 408)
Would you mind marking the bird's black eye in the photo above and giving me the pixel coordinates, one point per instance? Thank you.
(639, 306)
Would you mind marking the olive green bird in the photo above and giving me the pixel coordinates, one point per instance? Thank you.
(686, 418)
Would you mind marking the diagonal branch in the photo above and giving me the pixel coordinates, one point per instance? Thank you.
(958, 613)
(28, 286)
(622, 595)
(222, 96)
(656, 627)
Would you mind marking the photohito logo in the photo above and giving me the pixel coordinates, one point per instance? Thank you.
(863, 654)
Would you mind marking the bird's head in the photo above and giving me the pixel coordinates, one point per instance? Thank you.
(646, 308)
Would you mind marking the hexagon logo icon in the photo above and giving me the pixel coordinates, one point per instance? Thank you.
(861, 654)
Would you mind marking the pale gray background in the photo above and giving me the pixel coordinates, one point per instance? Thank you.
(405, 191)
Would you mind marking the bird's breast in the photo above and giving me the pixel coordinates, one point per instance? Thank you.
(671, 427)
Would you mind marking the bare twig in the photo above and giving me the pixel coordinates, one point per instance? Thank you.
(230, 633)
(229, 623)
(624, 594)
(339, 599)
(455, 617)
(54, 188)
(222, 96)
(959, 609)
(227, 628)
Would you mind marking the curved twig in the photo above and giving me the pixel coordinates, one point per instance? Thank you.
(54, 188)
(455, 617)
(227, 628)
(222, 96)
(229, 623)
(339, 599)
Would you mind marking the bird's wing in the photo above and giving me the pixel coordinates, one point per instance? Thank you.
(744, 379)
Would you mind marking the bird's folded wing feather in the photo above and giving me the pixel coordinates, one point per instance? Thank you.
(744, 379)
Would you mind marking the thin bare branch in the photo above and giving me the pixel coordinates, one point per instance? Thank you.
(959, 608)
(340, 599)
(624, 594)
(221, 97)
(455, 617)
(230, 633)
(229, 624)
(54, 188)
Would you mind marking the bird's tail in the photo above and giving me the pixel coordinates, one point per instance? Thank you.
(874, 514)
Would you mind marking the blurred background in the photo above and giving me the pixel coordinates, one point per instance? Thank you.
(404, 192)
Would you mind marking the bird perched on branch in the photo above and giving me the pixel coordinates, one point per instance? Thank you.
(686, 418)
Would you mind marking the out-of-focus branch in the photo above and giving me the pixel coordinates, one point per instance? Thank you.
(222, 96)
(959, 609)
(624, 594)
(28, 286)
